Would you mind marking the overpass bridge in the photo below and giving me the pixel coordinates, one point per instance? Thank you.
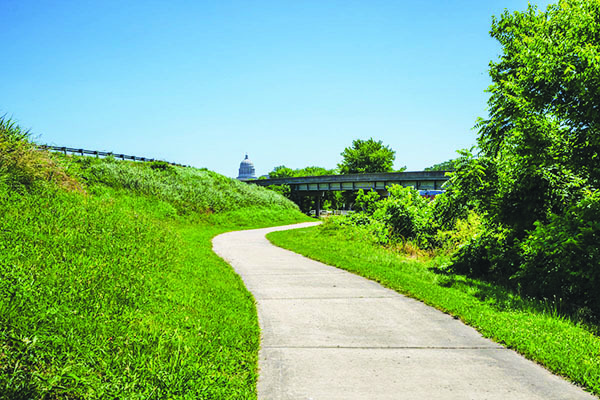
(317, 185)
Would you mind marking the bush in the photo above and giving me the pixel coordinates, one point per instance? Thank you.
(370, 228)
(367, 202)
(558, 259)
(447, 210)
(562, 257)
(162, 166)
(406, 213)
(460, 232)
(489, 255)
(407, 216)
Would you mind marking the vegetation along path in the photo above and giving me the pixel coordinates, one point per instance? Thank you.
(330, 334)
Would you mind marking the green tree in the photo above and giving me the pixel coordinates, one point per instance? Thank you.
(284, 172)
(543, 131)
(281, 172)
(539, 161)
(546, 86)
(366, 156)
(449, 165)
(330, 199)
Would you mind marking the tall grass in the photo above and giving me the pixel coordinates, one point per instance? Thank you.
(189, 190)
(112, 290)
(21, 166)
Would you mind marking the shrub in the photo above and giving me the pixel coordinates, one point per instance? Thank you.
(406, 213)
(162, 166)
(490, 255)
(562, 258)
(447, 210)
(367, 202)
(361, 224)
(460, 232)
(407, 216)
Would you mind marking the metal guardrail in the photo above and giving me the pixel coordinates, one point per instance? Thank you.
(84, 152)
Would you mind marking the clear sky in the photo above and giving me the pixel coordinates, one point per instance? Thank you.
(288, 82)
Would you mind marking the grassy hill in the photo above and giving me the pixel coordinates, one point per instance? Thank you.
(108, 285)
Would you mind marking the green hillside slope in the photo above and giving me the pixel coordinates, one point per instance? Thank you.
(108, 285)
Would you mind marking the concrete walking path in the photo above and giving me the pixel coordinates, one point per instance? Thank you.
(328, 334)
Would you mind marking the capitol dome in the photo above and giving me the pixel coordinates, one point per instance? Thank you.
(246, 170)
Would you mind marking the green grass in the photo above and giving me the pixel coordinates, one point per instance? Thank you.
(102, 299)
(534, 329)
(109, 288)
(187, 190)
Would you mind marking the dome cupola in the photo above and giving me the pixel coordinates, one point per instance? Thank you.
(246, 170)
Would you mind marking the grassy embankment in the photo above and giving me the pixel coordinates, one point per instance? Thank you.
(536, 330)
(108, 285)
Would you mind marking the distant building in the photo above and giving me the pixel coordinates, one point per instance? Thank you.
(246, 170)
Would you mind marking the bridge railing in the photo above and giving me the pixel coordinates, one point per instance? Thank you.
(431, 180)
(84, 152)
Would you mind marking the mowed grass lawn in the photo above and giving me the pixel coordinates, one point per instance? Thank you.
(534, 329)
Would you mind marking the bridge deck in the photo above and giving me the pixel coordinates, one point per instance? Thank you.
(379, 181)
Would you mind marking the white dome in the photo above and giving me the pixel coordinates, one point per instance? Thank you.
(246, 170)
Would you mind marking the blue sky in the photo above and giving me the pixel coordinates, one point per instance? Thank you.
(288, 82)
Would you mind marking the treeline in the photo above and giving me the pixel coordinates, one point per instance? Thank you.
(331, 200)
(363, 156)
(535, 179)
(523, 209)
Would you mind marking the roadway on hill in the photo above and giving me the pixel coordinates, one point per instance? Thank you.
(329, 334)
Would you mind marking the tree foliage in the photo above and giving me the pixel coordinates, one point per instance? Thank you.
(448, 165)
(366, 156)
(284, 172)
(563, 256)
(306, 203)
(542, 132)
(546, 87)
(539, 155)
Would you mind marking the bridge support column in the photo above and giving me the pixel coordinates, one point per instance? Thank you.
(318, 204)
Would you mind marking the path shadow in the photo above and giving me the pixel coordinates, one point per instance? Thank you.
(504, 298)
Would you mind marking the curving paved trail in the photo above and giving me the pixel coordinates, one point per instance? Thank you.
(328, 334)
